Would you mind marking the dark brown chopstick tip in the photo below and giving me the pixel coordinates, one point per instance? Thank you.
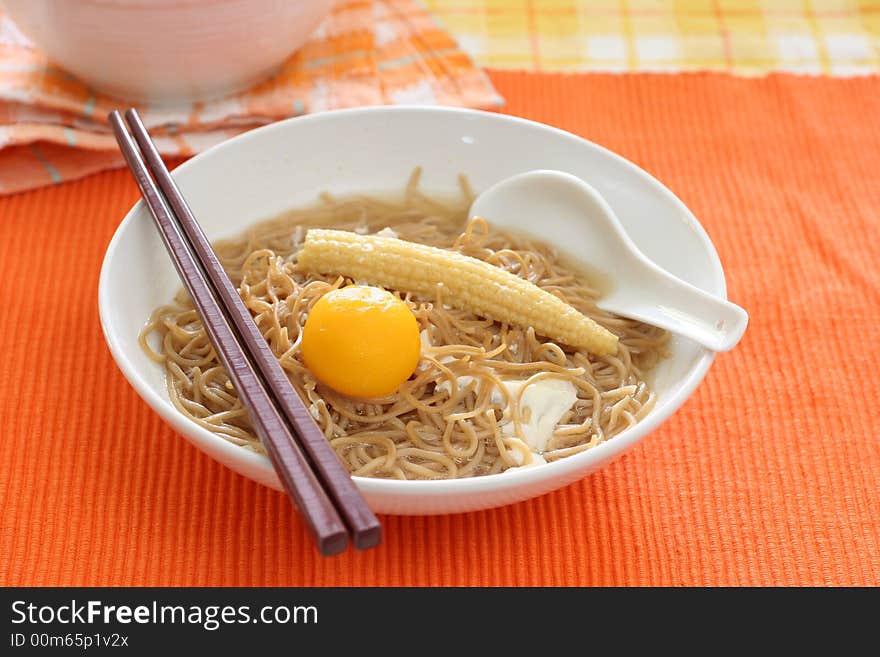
(333, 544)
(368, 538)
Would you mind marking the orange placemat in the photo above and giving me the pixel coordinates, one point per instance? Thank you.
(769, 475)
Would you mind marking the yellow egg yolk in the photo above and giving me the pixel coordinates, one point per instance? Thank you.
(361, 341)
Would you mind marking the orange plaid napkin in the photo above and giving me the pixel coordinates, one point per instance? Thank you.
(53, 127)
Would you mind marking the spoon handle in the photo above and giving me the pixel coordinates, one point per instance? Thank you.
(714, 323)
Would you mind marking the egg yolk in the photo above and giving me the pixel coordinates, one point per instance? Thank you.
(361, 341)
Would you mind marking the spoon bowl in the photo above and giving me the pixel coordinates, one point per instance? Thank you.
(566, 210)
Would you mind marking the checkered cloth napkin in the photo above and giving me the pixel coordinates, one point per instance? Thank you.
(53, 128)
(744, 37)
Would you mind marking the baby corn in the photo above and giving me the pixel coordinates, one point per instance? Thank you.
(468, 283)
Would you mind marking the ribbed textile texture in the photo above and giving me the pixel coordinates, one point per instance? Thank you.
(769, 475)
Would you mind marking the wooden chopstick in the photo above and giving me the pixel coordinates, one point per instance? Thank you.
(312, 475)
(365, 529)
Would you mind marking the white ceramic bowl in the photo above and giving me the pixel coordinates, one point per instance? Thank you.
(163, 51)
(263, 172)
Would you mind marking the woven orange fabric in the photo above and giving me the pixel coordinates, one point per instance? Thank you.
(768, 475)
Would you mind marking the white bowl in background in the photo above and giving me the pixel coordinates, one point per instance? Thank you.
(163, 51)
(266, 171)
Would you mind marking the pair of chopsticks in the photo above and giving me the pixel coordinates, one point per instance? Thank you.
(312, 475)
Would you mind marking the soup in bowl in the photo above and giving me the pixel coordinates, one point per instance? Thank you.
(452, 365)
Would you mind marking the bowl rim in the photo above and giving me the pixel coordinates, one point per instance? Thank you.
(510, 479)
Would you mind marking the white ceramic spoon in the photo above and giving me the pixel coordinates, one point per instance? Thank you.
(565, 211)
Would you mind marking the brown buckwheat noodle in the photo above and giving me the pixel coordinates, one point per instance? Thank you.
(425, 430)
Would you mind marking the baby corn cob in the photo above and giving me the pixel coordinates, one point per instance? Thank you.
(469, 284)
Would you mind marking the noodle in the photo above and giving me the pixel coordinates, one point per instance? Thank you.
(437, 425)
